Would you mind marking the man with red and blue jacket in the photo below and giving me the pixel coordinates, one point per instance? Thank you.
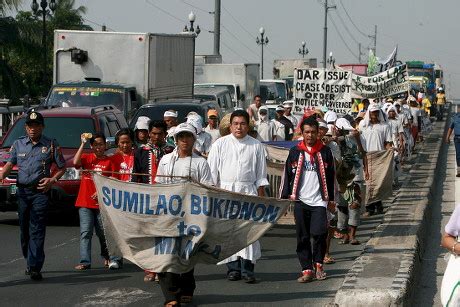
(309, 179)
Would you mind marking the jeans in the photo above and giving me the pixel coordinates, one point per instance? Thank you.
(310, 221)
(91, 219)
(174, 285)
(243, 266)
(440, 111)
(32, 213)
(457, 149)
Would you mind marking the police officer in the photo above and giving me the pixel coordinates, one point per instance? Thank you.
(34, 154)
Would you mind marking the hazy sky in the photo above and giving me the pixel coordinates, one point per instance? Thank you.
(423, 30)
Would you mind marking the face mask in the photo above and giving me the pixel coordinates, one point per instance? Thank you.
(263, 117)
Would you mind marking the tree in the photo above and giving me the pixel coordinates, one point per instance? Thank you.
(21, 50)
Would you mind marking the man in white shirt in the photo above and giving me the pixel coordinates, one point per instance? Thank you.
(213, 125)
(173, 167)
(265, 128)
(254, 108)
(284, 130)
(375, 136)
(288, 104)
(203, 139)
(238, 164)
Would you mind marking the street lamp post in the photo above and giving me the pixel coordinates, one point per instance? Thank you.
(303, 51)
(44, 12)
(191, 18)
(262, 41)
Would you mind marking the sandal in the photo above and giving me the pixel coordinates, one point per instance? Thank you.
(345, 241)
(328, 260)
(186, 299)
(171, 304)
(82, 267)
(355, 242)
(320, 274)
(338, 235)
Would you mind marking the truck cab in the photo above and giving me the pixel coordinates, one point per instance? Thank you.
(93, 94)
(273, 91)
(233, 88)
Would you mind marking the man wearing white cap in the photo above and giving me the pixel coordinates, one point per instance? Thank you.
(173, 168)
(203, 140)
(170, 118)
(265, 128)
(141, 130)
(284, 129)
(288, 104)
(375, 136)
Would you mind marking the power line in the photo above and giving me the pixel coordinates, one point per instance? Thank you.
(343, 40)
(238, 23)
(351, 20)
(164, 11)
(230, 48)
(345, 26)
(196, 7)
(97, 24)
(239, 41)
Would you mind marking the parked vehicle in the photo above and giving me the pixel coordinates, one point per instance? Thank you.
(218, 94)
(65, 125)
(156, 110)
(273, 91)
(241, 79)
(124, 69)
(233, 89)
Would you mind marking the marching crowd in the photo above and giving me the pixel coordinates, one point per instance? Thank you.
(325, 173)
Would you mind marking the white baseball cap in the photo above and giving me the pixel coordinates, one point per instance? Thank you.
(170, 113)
(343, 123)
(288, 103)
(279, 108)
(185, 127)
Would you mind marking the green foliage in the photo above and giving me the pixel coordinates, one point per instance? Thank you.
(21, 50)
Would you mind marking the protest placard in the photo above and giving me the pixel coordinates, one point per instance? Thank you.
(171, 227)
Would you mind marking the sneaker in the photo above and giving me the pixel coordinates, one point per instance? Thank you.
(307, 276)
(37, 276)
(114, 265)
(320, 274)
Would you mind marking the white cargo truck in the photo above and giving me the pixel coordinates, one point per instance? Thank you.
(242, 80)
(123, 69)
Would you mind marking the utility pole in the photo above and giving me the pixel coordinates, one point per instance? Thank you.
(216, 27)
(360, 53)
(374, 37)
(326, 8)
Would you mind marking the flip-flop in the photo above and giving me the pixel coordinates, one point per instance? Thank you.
(328, 260)
(355, 242)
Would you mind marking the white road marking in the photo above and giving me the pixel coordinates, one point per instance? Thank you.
(114, 297)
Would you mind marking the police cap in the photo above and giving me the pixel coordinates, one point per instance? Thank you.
(35, 117)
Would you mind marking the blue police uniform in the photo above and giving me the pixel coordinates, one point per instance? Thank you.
(34, 163)
(455, 125)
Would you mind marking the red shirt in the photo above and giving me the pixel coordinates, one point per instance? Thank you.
(124, 165)
(87, 187)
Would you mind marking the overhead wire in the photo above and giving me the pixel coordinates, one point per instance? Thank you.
(343, 40)
(196, 7)
(97, 24)
(351, 20)
(346, 28)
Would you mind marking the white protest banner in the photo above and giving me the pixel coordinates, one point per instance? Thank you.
(171, 227)
(317, 88)
(388, 83)
(335, 88)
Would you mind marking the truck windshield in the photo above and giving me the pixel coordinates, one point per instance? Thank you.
(65, 130)
(68, 96)
(273, 91)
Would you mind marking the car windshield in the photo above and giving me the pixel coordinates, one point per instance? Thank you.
(65, 130)
(205, 97)
(156, 112)
(85, 97)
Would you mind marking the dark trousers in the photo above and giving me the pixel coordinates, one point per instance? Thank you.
(32, 212)
(457, 149)
(310, 222)
(243, 266)
(174, 285)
